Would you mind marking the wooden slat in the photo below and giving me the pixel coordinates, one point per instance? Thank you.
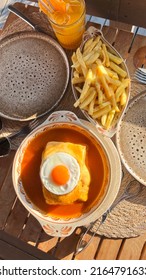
(47, 243)
(103, 8)
(109, 33)
(13, 249)
(143, 252)
(139, 42)
(130, 12)
(10, 252)
(108, 249)
(122, 42)
(31, 231)
(90, 252)
(7, 197)
(16, 219)
(5, 163)
(66, 246)
(131, 249)
(120, 25)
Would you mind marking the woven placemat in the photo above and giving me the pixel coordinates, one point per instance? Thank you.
(128, 218)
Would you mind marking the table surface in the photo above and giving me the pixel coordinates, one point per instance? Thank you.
(117, 239)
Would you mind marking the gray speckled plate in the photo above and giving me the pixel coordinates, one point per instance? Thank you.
(34, 73)
(131, 138)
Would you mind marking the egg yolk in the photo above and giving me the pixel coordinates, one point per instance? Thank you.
(60, 174)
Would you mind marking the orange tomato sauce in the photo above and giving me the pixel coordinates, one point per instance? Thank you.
(96, 162)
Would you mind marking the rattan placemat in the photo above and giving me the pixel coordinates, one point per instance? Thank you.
(128, 218)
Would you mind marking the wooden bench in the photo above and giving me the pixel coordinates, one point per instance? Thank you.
(12, 248)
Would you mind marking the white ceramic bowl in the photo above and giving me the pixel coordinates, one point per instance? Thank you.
(59, 226)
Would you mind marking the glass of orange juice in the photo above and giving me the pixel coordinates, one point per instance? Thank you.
(67, 18)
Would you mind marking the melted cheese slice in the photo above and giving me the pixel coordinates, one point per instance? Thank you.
(80, 192)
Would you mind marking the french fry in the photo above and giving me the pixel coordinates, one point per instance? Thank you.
(78, 89)
(98, 46)
(89, 98)
(118, 69)
(81, 61)
(107, 62)
(115, 82)
(76, 74)
(99, 93)
(114, 58)
(74, 58)
(92, 58)
(114, 103)
(100, 81)
(103, 57)
(112, 74)
(85, 89)
(119, 92)
(123, 98)
(105, 86)
(101, 71)
(101, 106)
(103, 120)
(125, 82)
(101, 112)
(121, 88)
(79, 80)
(87, 56)
(109, 119)
(91, 106)
(91, 46)
(87, 44)
(77, 103)
(87, 84)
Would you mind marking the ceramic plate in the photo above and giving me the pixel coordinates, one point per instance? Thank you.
(34, 74)
(131, 138)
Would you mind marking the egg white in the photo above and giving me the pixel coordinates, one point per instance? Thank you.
(60, 158)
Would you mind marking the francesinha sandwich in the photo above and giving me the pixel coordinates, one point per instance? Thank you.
(64, 174)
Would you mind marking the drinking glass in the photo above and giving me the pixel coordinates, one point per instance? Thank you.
(67, 18)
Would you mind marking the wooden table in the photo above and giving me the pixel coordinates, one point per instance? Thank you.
(14, 218)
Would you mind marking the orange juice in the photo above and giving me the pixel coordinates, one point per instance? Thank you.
(67, 18)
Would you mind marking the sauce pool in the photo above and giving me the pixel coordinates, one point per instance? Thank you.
(96, 162)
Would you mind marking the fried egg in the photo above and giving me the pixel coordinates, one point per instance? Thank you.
(60, 173)
(64, 174)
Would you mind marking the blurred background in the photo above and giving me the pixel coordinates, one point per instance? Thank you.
(4, 8)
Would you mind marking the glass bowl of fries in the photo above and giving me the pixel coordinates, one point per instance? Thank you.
(100, 82)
